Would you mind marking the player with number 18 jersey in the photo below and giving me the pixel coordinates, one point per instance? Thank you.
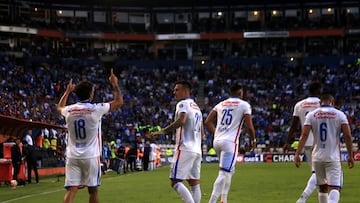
(84, 126)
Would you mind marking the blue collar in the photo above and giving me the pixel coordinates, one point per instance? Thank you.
(326, 105)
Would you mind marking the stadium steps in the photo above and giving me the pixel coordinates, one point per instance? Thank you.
(200, 100)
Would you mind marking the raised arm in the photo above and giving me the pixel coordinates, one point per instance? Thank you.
(117, 102)
(62, 103)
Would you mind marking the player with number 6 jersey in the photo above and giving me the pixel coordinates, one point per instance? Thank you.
(327, 123)
(83, 120)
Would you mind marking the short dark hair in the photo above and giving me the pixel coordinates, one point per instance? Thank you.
(235, 88)
(185, 83)
(83, 90)
(326, 97)
(315, 88)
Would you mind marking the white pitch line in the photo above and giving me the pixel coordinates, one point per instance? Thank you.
(27, 196)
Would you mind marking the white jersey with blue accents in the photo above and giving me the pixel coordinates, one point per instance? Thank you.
(83, 120)
(188, 136)
(326, 123)
(230, 118)
(302, 108)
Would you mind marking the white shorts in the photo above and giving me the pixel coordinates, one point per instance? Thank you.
(185, 166)
(227, 152)
(328, 173)
(82, 172)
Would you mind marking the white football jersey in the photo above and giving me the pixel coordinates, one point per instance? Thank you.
(326, 123)
(302, 108)
(188, 136)
(83, 121)
(230, 118)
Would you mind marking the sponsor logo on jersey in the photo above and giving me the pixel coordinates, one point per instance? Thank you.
(79, 111)
(310, 104)
(194, 106)
(324, 114)
(230, 103)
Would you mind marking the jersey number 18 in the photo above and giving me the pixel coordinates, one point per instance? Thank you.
(80, 131)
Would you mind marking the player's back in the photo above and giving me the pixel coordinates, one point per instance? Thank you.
(326, 126)
(302, 108)
(84, 126)
(230, 117)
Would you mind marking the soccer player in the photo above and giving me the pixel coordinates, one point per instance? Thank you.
(189, 131)
(327, 123)
(230, 115)
(300, 110)
(83, 120)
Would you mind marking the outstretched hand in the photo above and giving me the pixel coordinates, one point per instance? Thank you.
(70, 87)
(113, 79)
(157, 133)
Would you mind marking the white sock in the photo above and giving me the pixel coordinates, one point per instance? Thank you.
(323, 197)
(226, 188)
(196, 193)
(218, 186)
(334, 196)
(183, 192)
(310, 187)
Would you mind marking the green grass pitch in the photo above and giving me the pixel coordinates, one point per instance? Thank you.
(252, 183)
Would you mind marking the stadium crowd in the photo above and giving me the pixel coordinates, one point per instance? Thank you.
(30, 89)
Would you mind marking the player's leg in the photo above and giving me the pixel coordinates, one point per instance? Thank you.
(70, 194)
(218, 186)
(183, 192)
(227, 151)
(227, 184)
(194, 179)
(321, 181)
(179, 171)
(72, 180)
(93, 174)
(311, 183)
(93, 195)
(335, 181)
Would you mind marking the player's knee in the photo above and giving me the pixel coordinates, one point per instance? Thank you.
(92, 191)
(323, 188)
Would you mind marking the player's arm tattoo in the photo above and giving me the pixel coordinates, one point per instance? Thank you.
(176, 124)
